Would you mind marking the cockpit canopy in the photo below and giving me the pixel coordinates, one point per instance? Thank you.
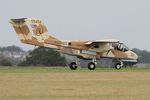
(120, 47)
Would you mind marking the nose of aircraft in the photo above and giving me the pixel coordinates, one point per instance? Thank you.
(134, 55)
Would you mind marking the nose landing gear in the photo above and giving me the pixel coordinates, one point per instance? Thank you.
(119, 64)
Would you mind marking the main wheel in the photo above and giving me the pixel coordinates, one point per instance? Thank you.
(73, 66)
(118, 66)
(91, 66)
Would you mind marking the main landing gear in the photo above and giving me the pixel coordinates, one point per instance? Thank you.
(91, 65)
(118, 64)
(73, 65)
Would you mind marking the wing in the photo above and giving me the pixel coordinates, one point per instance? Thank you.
(102, 41)
(101, 45)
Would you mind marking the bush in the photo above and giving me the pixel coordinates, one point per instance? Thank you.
(44, 56)
(5, 62)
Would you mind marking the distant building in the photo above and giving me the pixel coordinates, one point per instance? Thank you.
(13, 54)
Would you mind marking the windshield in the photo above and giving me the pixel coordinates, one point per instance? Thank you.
(125, 47)
(120, 47)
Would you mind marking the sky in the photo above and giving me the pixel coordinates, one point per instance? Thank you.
(125, 20)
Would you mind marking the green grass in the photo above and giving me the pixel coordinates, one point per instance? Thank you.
(57, 83)
(66, 69)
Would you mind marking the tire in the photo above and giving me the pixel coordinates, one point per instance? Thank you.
(118, 66)
(91, 66)
(73, 66)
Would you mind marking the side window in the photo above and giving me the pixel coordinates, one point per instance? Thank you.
(96, 46)
(120, 47)
(125, 49)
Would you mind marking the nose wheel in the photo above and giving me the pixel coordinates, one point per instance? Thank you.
(119, 64)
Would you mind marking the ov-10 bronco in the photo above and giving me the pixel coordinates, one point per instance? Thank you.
(33, 31)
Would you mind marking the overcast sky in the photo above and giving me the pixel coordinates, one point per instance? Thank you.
(126, 20)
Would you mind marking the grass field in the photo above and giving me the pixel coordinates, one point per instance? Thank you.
(43, 83)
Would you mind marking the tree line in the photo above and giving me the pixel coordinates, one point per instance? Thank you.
(40, 56)
(46, 57)
(43, 57)
(144, 56)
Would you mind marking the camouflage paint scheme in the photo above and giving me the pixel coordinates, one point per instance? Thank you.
(33, 31)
